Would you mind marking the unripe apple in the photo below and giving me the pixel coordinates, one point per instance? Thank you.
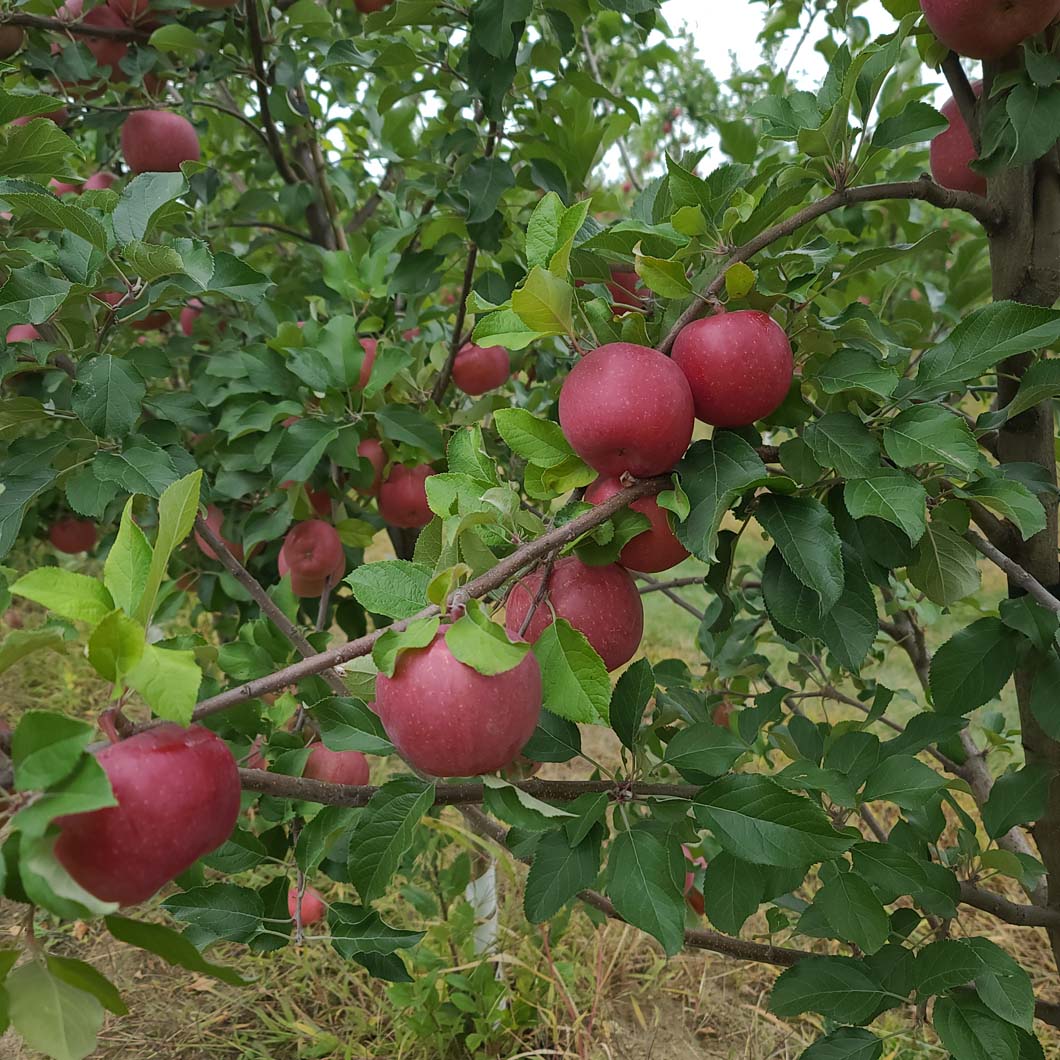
(403, 496)
(72, 535)
(624, 286)
(107, 51)
(23, 333)
(11, 39)
(600, 602)
(371, 348)
(739, 366)
(312, 554)
(952, 152)
(189, 314)
(987, 29)
(99, 182)
(313, 907)
(336, 767)
(178, 799)
(448, 720)
(214, 520)
(627, 408)
(656, 549)
(371, 449)
(478, 369)
(157, 141)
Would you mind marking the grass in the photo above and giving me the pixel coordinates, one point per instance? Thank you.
(586, 991)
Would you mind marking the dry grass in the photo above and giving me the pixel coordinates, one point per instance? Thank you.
(598, 993)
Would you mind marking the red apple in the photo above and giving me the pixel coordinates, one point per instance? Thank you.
(131, 10)
(23, 333)
(178, 799)
(59, 117)
(99, 182)
(255, 759)
(657, 549)
(366, 7)
(624, 286)
(478, 369)
(336, 767)
(189, 314)
(722, 714)
(157, 141)
(370, 347)
(952, 152)
(154, 320)
(371, 449)
(12, 618)
(403, 496)
(448, 720)
(60, 188)
(693, 895)
(627, 408)
(214, 520)
(11, 39)
(107, 51)
(739, 366)
(72, 535)
(319, 501)
(313, 908)
(312, 554)
(600, 602)
(987, 29)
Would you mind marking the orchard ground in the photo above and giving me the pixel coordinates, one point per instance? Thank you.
(610, 984)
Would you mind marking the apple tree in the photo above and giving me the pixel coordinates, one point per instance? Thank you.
(520, 288)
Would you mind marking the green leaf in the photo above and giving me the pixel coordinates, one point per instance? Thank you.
(890, 870)
(394, 587)
(84, 790)
(388, 648)
(916, 123)
(853, 911)
(574, 679)
(543, 303)
(1010, 499)
(46, 747)
(714, 474)
(931, 434)
(846, 1043)
(806, 536)
(559, 871)
(840, 440)
(537, 440)
(893, 496)
(115, 646)
(732, 891)
(222, 910)
(404, 424)
(641, 883)
(973, 666)
(946, 566)
(1018, 797)
(483, 645)
(856, 370)
(385, 833)
(169, 680)
(757, 820)
(140, 201)
(704, 751)
(903, 780)
(128, 563)
(173, 948)
(484, 182)
(74, 596)
(141, 467)
(348, 725)
(22, 642)
(1040, 382)
(176, 38)
(632, 692)
(301, 449)
(237, 280)
(37, 149)
(60, 1020)
(151, 262)
(840, 988)
(970, 1031)
(665, 278)
(26, 196)
(1002, 985)
(357, 930)
(31, 295)
(85, 977)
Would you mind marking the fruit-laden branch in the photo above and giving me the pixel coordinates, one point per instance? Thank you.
(486, 583)
(924, 189)
(1016, 574)
(441, 384)
(265, 602)
(78, 29)
(261, 83)
(327, 794)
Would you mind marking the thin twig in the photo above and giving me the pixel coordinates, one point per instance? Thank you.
(623, 150)
(1017, 576)
(261, 81)
(78, 28)
(441, 384)
(655, 586)
(964, 94)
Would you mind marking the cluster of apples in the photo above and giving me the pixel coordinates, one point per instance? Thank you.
(977, 29)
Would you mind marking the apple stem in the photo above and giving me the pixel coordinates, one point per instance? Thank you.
(114, 724)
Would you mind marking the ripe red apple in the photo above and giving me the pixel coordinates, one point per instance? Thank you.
(739, 366)
(60, 117)
(312, 554)
(448, 720)
(178, 799)
(987, 29)
(157, 141)
(336, 767)
(99, 182)
(107, 51)
(600, 602)
(478, 369)
(72, 535)
(214, 520)
(319, 501)
(189, 314)
(366, 7)
(624, 286)
(371, 449)
(722, 714)
(131, 11)
(61, 188)
(11, 39)
(12, 618)
(627, 408)
(370, 347)
(255, 759)
(403, 496)
(952, 152)
(693, 895)
(23, 333)
(313, 908)
(657, 549)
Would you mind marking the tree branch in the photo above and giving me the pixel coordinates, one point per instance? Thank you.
(1009, 912)
(441, 384)
(655, 586)
(924, 189)
(964, 94)
(261, 83)
(623, 150)
(77, 28)
(1016, 574)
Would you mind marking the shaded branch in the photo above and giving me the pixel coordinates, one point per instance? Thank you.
(77, 28)
(1009, 912)
(656, 586)
(964, 95)
(441, 384)
(1016, 574)
(924, 189)
(261, 83)
(269, 226)
(652, 586)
